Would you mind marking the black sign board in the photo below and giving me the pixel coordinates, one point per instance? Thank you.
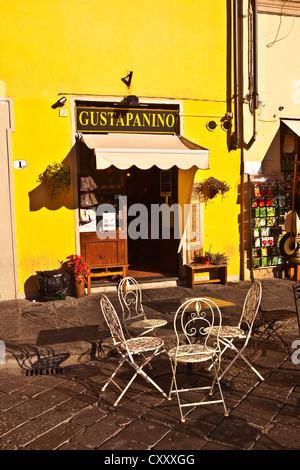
(134, 120)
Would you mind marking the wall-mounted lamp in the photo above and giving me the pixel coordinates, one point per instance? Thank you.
(127, 79)
(211, 125)
(61, 102)
(226, 125)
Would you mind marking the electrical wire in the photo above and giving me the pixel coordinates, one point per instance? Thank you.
(151, 97)
(279, 26)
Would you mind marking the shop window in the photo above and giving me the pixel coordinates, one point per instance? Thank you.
(194, 229)
(271, 202)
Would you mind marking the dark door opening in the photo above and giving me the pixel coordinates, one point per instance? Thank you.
(148, 257)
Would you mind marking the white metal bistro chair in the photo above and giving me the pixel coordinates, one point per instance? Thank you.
(229, 334)
(130, 298)
(144, 347)
(193, 323)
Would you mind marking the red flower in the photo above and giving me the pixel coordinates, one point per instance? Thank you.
(78, 264)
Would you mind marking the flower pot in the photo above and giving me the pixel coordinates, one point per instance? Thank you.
(79, 286)
(212, 192)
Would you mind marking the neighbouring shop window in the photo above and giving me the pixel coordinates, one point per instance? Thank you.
(270, 203)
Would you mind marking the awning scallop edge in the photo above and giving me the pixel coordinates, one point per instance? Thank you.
(145, 151)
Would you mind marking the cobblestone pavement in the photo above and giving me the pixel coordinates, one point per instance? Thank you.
(64, 409)
(67, 411)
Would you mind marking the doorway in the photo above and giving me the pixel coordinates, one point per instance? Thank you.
(148, 255)
(145, 256)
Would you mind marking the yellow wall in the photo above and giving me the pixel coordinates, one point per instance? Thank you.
(221, 229)
(175, 50)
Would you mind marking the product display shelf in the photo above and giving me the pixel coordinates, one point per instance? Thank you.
(270, 204)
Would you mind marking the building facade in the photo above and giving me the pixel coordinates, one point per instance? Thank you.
(269, 104)
(76, 79)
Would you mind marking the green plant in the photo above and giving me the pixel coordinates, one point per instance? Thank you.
(210, 188)
(216, 258)
(211, 258)
(58, 179)
(198, 258)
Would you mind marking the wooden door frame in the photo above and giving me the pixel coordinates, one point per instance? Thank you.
(9, 129)
(85, 98)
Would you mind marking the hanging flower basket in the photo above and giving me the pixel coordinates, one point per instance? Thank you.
(210, 188)
(58, 179)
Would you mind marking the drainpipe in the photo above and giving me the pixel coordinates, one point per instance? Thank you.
(255, 70)
(235, 76)
(236, 143)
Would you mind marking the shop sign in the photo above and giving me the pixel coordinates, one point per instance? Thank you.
(132, 120)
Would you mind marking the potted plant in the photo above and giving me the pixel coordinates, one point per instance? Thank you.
(79, 270)
(201, 259)
(216, 258)
(211, 258)
(58, 179)
(209, 188)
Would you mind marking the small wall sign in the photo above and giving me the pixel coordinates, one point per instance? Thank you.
(20, 164)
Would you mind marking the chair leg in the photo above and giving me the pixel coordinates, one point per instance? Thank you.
(174, 382)
(239, 354)
(125, 389)
(138, 371)
(177, 391)
(216, 379)
(148, 379)
(271, 331)
(213, 365)
(113, 375)
(227, 344)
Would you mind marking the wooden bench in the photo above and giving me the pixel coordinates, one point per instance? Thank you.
(192, 269)
(106, 271)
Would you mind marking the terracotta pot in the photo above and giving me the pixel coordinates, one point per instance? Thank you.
(79, 286)
(209, 191)
(212, 192)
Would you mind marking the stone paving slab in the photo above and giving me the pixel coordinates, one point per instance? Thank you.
(66, 410)
(144, 420)
(32, 330)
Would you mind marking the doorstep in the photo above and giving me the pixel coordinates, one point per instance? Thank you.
(153, 282)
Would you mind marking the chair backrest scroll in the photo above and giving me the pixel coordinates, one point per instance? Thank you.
(251, 306)
(200, 320)
(130, 298)
(112, 321)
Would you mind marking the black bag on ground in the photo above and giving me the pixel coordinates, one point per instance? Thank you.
(53, 284)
